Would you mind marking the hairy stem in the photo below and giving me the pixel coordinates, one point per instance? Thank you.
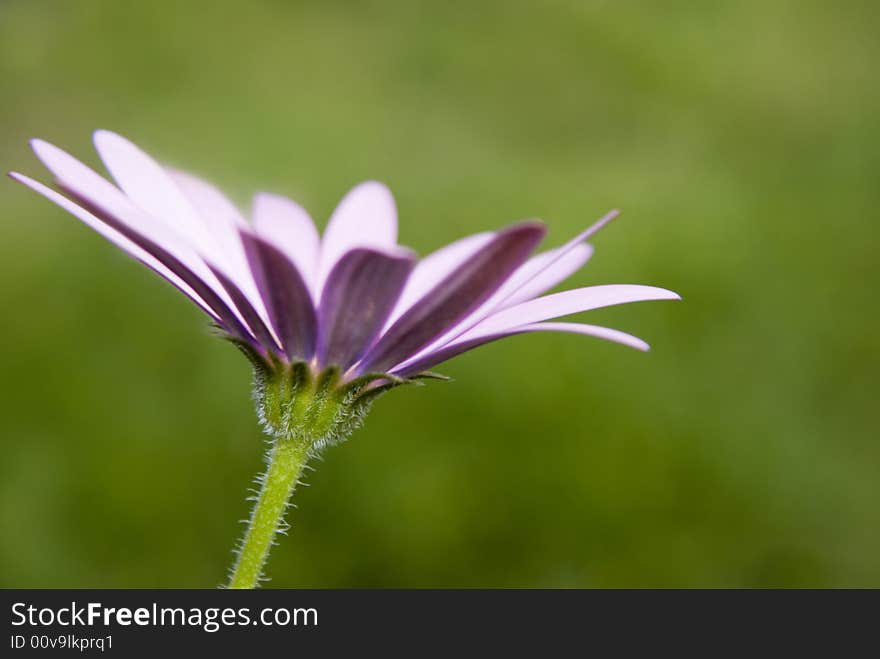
(287, 458)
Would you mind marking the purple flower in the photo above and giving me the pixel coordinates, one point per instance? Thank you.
(329, 322)
(352, 298)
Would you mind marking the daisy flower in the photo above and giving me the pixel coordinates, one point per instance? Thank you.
(329, 321)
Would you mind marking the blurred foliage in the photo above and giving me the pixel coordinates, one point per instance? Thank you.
(741, 141)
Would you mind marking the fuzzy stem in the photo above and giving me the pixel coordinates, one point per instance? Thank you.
(287, 458)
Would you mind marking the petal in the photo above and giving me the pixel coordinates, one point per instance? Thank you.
(114, 237)
(99, 194)
(538, 274)
(257, 325)
(151, 254)
(366, 217)
(83, 181)
(457, 347)
(432, 269)
(152, 189)
(215, 210)
(546, 267)
(285, 294)
(542, 272)
(224, 221)
(565, 303)
(288, 226)
(455, 296)
(589, 232)
(358, 296)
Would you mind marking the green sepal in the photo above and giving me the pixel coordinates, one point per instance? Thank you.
(431, 375)
(362, 381)
(311, 410)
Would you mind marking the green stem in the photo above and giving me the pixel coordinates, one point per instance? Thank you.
(287, 459)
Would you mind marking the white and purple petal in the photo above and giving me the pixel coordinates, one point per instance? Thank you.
(225, 222)
(435, 267)
(537, 275)
(359, 294)
(154, 256)
(116, 238)
(289, 227)
(544, 271)
(105, 200)
(242, 301)
(462, 345)
(455, 296)
(566, 303)
(366, 217)
(541, 309)
(221, 219)
(151, 188)
(285, 295)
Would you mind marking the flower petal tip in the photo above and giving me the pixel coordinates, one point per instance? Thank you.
(52, 157)
(373, 183)
(396, 252)
(377, 191)
(657, 293)
(403, 254)
(19, 177)
(606, 219)
(40, 147)
(530, 225)
(107, 141)
(102, 135)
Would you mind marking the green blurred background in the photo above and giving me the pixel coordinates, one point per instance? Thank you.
(741, 141)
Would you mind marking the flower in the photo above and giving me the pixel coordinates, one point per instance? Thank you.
(352, 299)
(329, 322)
